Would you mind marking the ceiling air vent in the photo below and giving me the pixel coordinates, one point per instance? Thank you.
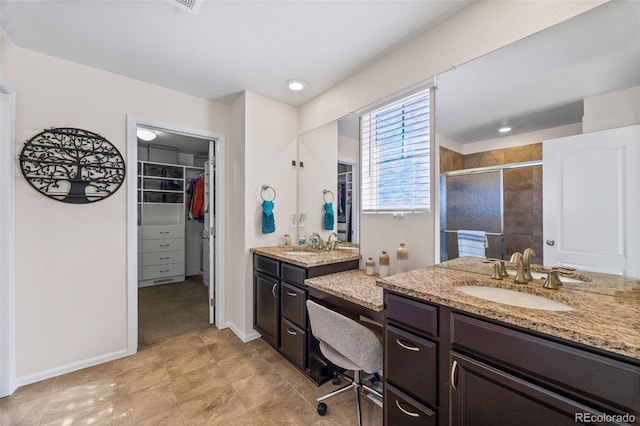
(190, 5)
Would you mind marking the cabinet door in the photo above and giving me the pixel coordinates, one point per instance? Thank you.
(266, 313)
(482, 395)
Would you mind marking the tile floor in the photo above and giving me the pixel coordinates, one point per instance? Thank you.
(185, 373)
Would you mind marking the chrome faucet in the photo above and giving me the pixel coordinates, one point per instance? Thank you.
(316, 240)
(526, 258)
(332, 244)
(519, 261)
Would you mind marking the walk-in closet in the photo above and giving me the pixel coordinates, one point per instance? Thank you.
(174, 184)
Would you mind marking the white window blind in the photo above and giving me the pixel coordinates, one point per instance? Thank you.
(395, 145)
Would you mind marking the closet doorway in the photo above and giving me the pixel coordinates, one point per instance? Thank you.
(177, 192)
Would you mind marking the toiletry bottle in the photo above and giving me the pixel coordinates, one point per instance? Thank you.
(302, 240)
(402, 256)
(370, 267)
(384, 264)
(287, 240)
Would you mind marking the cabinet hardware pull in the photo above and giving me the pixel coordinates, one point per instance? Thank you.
(164, 232)
(273, 289)
(291, 331)
(292, 294)
(409, 348)
(453, 374)
(165, 270)
(408, 413)
(165, 245)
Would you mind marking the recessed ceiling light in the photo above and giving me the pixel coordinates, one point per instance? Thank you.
(296, 85)
(504, 129)
(146, 135)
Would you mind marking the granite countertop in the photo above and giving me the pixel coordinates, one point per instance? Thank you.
(606, 311)
(310, 258)
(354, 286)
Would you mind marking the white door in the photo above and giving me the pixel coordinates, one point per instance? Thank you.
(209, 234)
(591, 193)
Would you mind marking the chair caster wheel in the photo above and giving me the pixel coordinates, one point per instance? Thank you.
(336, 380)
(322, 408)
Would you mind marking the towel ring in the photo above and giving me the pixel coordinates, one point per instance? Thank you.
(324, 195)
(266, 188)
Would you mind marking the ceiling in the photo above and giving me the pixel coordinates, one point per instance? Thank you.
(227, 46)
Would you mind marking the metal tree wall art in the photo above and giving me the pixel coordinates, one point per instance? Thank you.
(72, 165)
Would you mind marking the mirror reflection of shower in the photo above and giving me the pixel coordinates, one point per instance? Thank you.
(491, 211)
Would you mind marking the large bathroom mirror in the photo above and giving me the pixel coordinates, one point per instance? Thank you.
(537, 86)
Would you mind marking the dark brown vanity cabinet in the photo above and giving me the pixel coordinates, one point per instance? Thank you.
(466, 370)
(280, 311)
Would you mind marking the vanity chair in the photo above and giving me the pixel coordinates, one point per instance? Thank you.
(349, 345)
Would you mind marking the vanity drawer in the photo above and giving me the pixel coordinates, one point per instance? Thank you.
(159, 271)
(293, 343)
(583, 373)
(293, 274)
(292, 304)
(153, 246)
(158, 232)
(401, 409)
(162, 258)
(418, 315)
(267, 265)
(404, 349)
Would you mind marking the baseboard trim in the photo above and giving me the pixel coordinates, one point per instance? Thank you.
(253, 335)
(68, 368)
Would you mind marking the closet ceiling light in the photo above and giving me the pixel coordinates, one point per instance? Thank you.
(146, 135)
(296, 85)
(505, 129)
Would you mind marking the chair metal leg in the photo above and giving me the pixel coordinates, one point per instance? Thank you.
(355, 384)
(356, 379)
(337, 391)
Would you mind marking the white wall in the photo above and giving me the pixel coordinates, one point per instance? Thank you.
(611, 110)
(71, 260)
(271, 130)
(348, 149)
(318, 150)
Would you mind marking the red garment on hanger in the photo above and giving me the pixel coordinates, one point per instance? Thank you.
(198, 202)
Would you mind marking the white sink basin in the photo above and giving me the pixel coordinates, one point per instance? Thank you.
(514, 298)
(543, 276)
(299, 253)
(348, 248)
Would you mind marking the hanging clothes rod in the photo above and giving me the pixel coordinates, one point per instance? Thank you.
(498, 234)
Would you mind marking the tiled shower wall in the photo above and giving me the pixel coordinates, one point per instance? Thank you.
(522, 192)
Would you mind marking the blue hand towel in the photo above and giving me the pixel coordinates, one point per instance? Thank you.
(328, 216)
(268, 221)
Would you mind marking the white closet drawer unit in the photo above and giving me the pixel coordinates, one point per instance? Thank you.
(158, 232)
(154, 246)
(162, 258)
(159, 271)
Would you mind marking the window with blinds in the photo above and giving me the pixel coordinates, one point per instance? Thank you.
(395, 147)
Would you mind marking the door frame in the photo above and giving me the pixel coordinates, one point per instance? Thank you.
(8, 248)
(132, 232)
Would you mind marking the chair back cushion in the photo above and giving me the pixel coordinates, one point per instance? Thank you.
(345, 336)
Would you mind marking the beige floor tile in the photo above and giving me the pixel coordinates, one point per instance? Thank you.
(23, 413)
(218, 410)
(87, 403)
(178, 345)
(244, 366)
(189, 361)
(288, 408)
(143, 357)
(97, 373)
(140, 378)
(169, 418)
(133, 408)
(207, 380)
(257, 390)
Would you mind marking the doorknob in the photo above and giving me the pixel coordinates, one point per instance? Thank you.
(205, 235)
(550, 242)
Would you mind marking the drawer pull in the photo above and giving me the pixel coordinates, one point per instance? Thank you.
(408, 413)
(165, 245)
(164, 232)
(291, 331)
(273, 289)
(165, 258)
(291, 293)
(407, 347)
(165, 270)
(453, 374)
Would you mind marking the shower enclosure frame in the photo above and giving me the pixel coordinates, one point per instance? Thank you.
(477, 170)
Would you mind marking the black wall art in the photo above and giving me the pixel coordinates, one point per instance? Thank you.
(72, 165)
